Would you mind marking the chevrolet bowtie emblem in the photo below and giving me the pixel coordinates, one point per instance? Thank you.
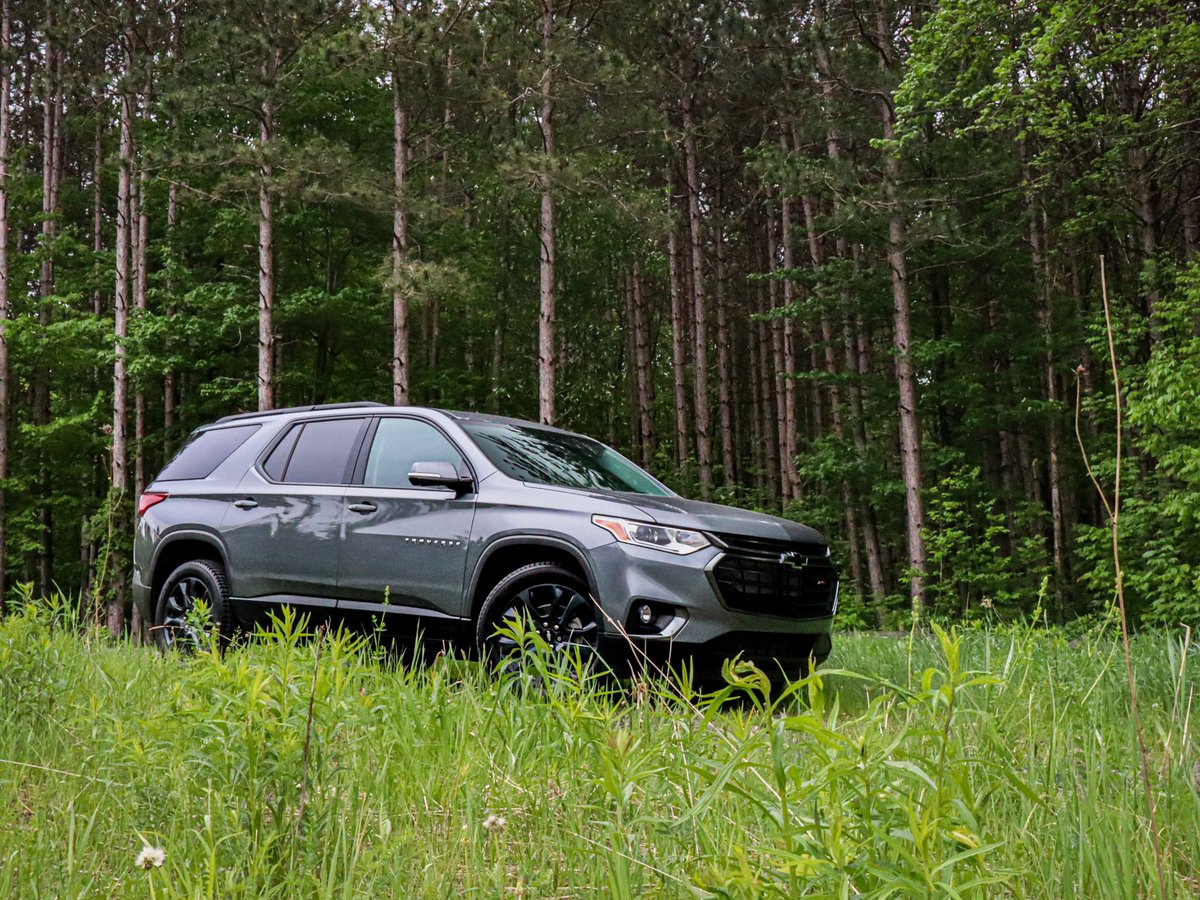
(787, 558)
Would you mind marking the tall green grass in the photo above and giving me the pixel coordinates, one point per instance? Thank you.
(982, 764)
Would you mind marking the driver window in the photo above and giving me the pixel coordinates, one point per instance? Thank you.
(398, 444)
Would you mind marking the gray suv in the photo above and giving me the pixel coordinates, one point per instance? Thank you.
(450, 525)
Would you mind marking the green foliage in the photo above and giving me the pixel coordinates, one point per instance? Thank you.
(1160, 541)
(973, 555)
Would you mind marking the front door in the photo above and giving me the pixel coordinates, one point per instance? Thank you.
(404, 549)
(283, 526)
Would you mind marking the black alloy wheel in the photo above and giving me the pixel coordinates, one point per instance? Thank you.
(552, 601)
(174, 625)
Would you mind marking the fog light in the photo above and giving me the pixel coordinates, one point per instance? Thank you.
(645, 614)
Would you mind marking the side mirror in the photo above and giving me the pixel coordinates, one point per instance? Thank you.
(440, 474)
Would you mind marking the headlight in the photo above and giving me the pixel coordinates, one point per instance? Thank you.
(659, 537)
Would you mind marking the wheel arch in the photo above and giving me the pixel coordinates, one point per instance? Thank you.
(177, 548)
(510, 553)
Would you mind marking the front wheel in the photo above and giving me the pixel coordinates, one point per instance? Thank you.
(544, 598)
(194, 596)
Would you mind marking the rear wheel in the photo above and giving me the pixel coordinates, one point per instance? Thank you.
(195, 596)
(544, 598)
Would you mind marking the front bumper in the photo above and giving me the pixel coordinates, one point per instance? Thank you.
(705, 631)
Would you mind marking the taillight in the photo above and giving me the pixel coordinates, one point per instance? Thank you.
(148, 500)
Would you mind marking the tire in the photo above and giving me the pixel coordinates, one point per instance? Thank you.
(555, 602)
(198, 579)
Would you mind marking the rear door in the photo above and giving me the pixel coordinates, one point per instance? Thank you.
(404, 549)
(283, 526)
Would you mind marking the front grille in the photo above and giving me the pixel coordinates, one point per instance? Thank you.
(790, 586)
(754, 546)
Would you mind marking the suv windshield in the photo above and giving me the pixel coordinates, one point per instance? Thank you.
(543, 456)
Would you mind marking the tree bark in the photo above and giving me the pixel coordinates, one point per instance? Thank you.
(51, 178)
(724, 373)
(906, 377)
(400, 369)
(140, 236)
(792, 488)
(547, 351)
(169, 376)
(97, 206)
(782, 416)
(703, 417)
(643, 361)
(120, 479)
(766, 378)
(679, 335)
(266, 240)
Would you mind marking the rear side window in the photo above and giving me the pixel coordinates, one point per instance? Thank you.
(401, 442)
(314, 452)
(201, 455)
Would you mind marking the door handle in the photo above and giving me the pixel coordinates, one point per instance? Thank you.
(365, 506)
(246, 503)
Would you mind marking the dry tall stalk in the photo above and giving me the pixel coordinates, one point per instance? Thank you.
(1113, 508)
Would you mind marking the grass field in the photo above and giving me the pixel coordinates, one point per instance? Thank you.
(985, 764)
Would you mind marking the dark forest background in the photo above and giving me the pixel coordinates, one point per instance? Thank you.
(845, 261)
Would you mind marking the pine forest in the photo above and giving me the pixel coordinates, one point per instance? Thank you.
(923, 275)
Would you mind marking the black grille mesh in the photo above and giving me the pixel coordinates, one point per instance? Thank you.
(784, 581)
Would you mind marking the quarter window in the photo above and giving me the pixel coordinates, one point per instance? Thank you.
(201, 455)
(401, 442)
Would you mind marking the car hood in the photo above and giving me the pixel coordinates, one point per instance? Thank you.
(713, 517)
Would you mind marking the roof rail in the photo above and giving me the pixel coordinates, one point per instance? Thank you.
(298, 409)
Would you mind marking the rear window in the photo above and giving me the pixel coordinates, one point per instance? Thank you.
(315, 452)
(201, 455)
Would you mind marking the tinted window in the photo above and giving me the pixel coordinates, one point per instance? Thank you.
(276, 463)
(201, 455)
(322, 452)
(542, 456)
(401, 442)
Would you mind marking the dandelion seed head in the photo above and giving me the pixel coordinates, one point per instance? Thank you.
(494, 822)
(150, 857)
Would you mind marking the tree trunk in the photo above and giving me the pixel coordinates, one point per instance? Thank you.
(5, 313)
(724, 373)
(140, 272)
(766, 378)
(792, 489)
(758, 423)
(906, 378)
(51, 177)
(400, 372)
(169, 376)
(678, 332)
(547, 356)
(120, 479)
(643, 361)
(786, 462)
(836, 401)
(266, 241)
(1045, 315)
(97, 206)
(699, 304)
